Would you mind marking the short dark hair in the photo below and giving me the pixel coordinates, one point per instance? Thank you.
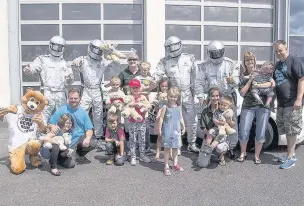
(279, 42)
(74, 90)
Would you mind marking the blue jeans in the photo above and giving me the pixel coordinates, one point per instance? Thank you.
(247, 115)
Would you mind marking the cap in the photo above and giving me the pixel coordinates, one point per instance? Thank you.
(134, 83)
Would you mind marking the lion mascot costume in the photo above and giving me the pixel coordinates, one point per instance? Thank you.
(24, 122)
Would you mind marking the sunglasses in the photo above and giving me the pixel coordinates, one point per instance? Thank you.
(134, 60)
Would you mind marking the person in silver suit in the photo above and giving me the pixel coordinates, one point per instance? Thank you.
(223, 73)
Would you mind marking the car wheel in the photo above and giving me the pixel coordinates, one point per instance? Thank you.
(271, 136)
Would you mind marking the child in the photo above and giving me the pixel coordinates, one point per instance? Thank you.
(137, 127)
(145, 78)
(66, 125)
(163, 87)
(219, 141)
(171, 127)
(263, 75)
(115, 98)
(115, 138)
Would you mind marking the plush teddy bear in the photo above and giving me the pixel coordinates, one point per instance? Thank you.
(226, 129)
(110, 52)
(130, 108)
(24, 122)
(115, 101)
(162, 98)
(62, 141)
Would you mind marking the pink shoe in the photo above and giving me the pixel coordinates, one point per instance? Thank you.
(167, 172)
(178, 168)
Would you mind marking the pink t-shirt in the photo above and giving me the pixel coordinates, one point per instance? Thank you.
(118, 135)
(143, 114)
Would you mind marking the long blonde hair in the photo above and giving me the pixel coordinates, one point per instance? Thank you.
(247, 55)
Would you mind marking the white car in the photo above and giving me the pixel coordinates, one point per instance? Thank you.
(272, 137)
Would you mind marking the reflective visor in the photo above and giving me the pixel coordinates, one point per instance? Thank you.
(173, 47)
(217, 54)
(95, 49)
(57, 47)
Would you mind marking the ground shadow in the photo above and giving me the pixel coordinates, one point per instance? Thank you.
(102, 158)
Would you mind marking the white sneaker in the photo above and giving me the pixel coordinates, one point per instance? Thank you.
(133, 161)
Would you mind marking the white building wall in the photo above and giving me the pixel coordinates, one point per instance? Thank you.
(154, 31)
(5, 94)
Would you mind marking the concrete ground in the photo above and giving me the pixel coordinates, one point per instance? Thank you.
(145, 184)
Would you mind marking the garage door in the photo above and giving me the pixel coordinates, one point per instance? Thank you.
(242, 25)
(79, 22)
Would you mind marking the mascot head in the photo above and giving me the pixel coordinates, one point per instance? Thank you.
(33, 102)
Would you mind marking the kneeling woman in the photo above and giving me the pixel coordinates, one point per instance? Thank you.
(207, 124)
(65, 125)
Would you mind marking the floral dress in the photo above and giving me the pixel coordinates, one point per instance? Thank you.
(171, 129)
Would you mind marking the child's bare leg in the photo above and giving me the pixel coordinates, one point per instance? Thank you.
(166, 161)
(175, 160)
(257, 97)
(269, 99)
(208, 139)
(222, 159)
(214, 144)
(158, 147)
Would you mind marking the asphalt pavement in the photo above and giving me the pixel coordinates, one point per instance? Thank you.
(144, 184)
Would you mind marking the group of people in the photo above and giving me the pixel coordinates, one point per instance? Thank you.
(177, 79)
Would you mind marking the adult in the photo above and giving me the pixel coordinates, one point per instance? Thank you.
(206, 122)
(289, 78)
(54, 73)
(92, 68)
(252, 108)
(126, 76)
(129, 73)
(82, 132)
(223, 73)
(181, 69)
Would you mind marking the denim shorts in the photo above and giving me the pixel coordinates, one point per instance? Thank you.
(289, 121)
(247, 115)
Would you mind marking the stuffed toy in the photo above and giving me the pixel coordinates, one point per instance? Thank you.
(63, 141)
(226, 129)
(24, 122)
(115, 101)
(130, 107)
(110, 52)
(162, 98)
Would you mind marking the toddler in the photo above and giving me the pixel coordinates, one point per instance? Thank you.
(171, 127)
(114, 138)
(138, 127)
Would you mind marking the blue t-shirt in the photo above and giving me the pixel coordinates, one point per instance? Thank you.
(82, 121)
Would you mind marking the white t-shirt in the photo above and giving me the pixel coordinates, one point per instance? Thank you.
(20, 128)
(145, 83)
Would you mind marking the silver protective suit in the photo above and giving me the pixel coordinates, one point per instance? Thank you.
(181, 72)
(212, 74)
(55, 74)
(91, 71)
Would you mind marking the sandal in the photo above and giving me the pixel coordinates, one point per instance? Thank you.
(178, 168)
(257, 161)
(167, 172)
(55, 173)
(241, 159)
(222, 163)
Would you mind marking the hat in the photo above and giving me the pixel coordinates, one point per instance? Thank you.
(134, 83)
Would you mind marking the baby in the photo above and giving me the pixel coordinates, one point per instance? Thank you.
(263, 75)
